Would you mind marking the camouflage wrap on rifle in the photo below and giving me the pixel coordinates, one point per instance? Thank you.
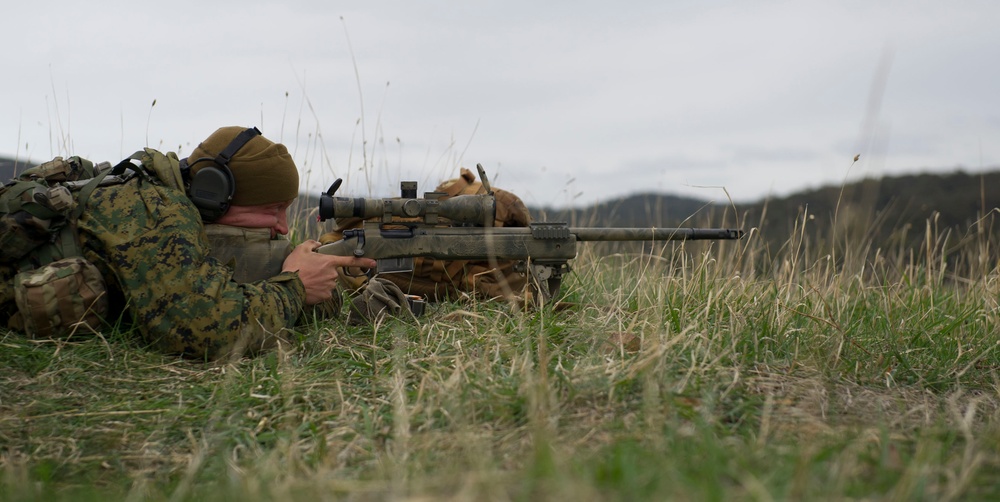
(450, 279)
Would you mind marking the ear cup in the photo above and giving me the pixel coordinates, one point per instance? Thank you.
(212, 187)
(211, 190)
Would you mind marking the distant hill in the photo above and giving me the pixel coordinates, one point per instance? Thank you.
(640, 210)
(893, 211)
(9, 168)
(889, 207)
(957, 198)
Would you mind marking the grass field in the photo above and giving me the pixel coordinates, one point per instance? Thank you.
(835, 372)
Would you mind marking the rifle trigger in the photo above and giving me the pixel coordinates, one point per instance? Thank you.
(359, 251)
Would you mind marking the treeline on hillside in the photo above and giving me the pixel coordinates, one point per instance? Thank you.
(641, 210)
(898, 211)
(9, 168)
(956, 210)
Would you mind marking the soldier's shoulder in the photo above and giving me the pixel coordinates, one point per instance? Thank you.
(137, 205)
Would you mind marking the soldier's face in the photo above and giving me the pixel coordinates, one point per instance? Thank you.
(273, 216)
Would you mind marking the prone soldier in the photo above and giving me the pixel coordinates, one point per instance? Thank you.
(147, 239)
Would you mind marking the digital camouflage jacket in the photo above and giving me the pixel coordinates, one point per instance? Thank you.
(149, 243)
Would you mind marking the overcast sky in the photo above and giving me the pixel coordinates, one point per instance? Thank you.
(562, 102)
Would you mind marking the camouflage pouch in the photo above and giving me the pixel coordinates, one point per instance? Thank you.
(25, 229)
(61, 298)
(27, 212)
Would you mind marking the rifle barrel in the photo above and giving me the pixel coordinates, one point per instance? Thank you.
(653, 234)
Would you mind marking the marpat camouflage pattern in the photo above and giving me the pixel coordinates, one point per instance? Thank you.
(149, 243)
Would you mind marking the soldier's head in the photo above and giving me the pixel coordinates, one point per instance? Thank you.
(262, 180)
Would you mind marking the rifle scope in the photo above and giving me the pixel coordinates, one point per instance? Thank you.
(462, 209)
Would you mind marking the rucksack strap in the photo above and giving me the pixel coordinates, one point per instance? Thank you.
(67, 243)
(84, 194)
(68, 236)
(11, 202)
(127, 164)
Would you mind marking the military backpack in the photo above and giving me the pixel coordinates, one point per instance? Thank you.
(56, 291)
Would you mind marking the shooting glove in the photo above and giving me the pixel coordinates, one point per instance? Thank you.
(379, 298)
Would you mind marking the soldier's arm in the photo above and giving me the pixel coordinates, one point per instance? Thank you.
(150, 242)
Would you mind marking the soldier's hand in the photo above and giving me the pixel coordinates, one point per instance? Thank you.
(318, 272)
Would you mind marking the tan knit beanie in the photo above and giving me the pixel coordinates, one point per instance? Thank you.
(263, 170)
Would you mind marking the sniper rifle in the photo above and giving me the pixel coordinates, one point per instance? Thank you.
(461, 228)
